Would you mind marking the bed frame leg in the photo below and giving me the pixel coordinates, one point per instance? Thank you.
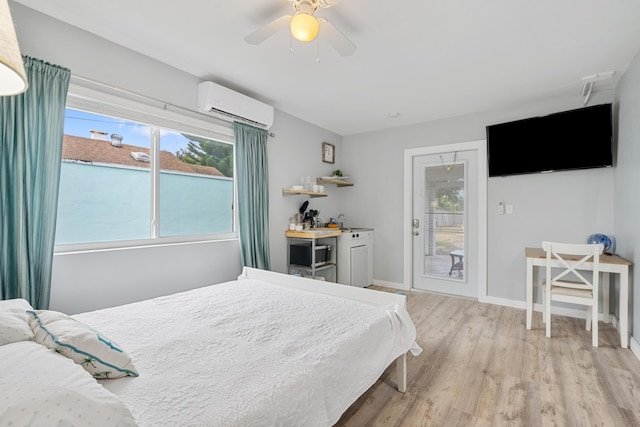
(401, 372)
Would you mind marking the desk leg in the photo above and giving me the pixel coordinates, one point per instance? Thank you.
(605, 297)
(624, 308)
(529, 291)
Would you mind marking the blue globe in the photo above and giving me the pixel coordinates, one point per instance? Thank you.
(606, 241)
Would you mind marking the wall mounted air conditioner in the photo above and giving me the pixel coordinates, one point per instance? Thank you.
(229, 105)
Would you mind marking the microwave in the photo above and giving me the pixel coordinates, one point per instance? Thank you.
(300, 254)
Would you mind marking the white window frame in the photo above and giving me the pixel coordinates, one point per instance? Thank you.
(154, 113)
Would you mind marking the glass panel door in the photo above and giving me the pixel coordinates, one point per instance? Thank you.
(445, 223)
(443, 216)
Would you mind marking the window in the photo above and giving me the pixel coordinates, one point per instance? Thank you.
(124, 179)
(196, 185)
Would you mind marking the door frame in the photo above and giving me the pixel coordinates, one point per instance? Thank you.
(481, 148)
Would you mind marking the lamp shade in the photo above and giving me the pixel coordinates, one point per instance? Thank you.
(13, 79)
(304, 27)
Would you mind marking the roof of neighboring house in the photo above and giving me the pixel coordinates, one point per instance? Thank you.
(100, 151)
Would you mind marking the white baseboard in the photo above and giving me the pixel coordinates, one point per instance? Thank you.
(505, 302)
(635, 347)
(561, 311)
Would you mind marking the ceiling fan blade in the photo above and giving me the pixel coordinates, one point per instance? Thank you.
(263, 33)
(336, 39)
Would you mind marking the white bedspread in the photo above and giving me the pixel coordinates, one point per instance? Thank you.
(249, 353)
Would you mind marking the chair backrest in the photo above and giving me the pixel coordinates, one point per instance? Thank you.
(578, 254)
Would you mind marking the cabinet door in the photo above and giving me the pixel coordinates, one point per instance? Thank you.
(359, 266)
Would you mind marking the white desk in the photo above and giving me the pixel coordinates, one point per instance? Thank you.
(536, 257)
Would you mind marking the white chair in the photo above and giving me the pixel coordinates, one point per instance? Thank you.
(570, 259)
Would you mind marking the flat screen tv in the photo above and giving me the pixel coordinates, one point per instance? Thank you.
(575, 139)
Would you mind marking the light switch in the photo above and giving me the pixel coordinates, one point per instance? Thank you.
(501, 208)
(509, 208)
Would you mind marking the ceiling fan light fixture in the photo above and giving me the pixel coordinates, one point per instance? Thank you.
(304, 27)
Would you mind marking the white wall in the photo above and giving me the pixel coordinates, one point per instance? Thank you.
(296, 151)
(626, 177)
(93, 280)
(562, 205)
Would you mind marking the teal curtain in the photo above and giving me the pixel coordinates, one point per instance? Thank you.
(252, 176)
(31, 132)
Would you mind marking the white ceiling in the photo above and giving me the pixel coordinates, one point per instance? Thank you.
(422, 59)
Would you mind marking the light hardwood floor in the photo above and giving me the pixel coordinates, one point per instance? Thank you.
(481, 367)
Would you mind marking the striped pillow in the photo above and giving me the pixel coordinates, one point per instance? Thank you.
(100, 356)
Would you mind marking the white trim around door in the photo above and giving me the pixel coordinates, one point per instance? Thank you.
(409, 154)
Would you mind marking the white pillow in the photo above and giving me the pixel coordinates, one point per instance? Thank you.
(14, 321)
(100, 356)
(15, 304)
(43, 388)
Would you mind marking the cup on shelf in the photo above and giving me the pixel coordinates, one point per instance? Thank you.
(321, 188)
(315, 188)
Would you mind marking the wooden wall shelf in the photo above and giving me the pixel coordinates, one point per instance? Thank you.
(290, 192)
(338, 182)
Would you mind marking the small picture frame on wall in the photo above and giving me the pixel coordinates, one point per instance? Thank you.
(328, 153)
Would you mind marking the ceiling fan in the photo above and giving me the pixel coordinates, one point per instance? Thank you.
(304, 26)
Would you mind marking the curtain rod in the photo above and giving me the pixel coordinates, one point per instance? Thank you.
(165, 105)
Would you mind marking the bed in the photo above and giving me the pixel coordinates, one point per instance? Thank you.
(266, 349)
